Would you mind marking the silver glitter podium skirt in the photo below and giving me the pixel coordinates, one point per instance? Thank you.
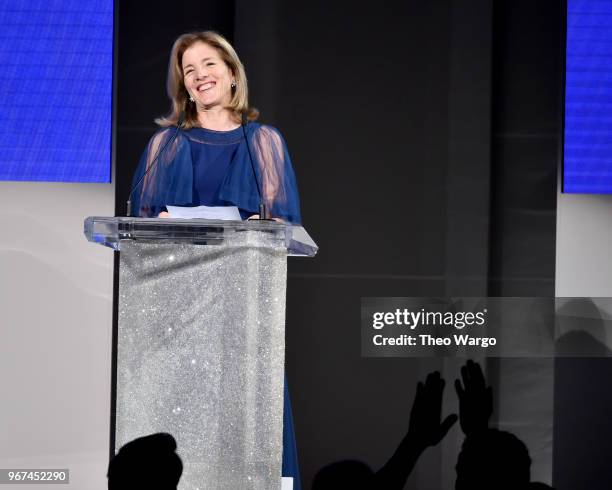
(201, 347)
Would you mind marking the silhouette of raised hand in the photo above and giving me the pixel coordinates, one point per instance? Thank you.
(425, 428)
(475, 399)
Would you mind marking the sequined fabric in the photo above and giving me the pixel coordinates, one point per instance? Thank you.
(201, 356)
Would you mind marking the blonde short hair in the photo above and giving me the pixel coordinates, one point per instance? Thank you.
(175, 85)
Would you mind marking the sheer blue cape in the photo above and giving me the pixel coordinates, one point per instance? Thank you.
(170, 181)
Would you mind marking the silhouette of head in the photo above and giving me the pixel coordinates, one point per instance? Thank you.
(493, 459)
(350, 474)
(146, 462)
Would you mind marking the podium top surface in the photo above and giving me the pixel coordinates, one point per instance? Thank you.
(111, 231)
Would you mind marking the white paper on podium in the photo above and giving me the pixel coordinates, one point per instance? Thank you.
(287, 483)
(230, 213)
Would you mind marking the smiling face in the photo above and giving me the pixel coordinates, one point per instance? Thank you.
(207, 77)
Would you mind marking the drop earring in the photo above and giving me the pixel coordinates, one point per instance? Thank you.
(233, 84)
(190, 98)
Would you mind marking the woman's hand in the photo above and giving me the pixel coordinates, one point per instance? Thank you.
(164, 214)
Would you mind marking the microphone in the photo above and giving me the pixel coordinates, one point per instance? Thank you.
(263, 212)
(179, 124)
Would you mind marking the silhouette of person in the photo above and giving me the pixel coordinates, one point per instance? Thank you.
(489, 458)
(146, 463)
(493, 459)
(425, 429)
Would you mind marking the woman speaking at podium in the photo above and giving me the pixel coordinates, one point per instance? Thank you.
(201, 155)
(210, 151)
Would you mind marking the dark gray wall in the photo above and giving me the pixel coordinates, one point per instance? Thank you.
(525, 141)
(524, 151)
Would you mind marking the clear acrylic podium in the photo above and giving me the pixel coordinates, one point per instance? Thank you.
(201, 341)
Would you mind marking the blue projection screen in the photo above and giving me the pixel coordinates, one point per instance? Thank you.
(56, 77)
(588, 98)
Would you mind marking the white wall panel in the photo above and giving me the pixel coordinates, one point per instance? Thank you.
(55, 330)
(584, 246)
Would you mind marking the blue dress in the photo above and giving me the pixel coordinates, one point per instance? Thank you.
(202, 166)
(213, 168)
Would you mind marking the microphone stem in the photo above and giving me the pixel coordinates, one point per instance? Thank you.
(263, 212)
